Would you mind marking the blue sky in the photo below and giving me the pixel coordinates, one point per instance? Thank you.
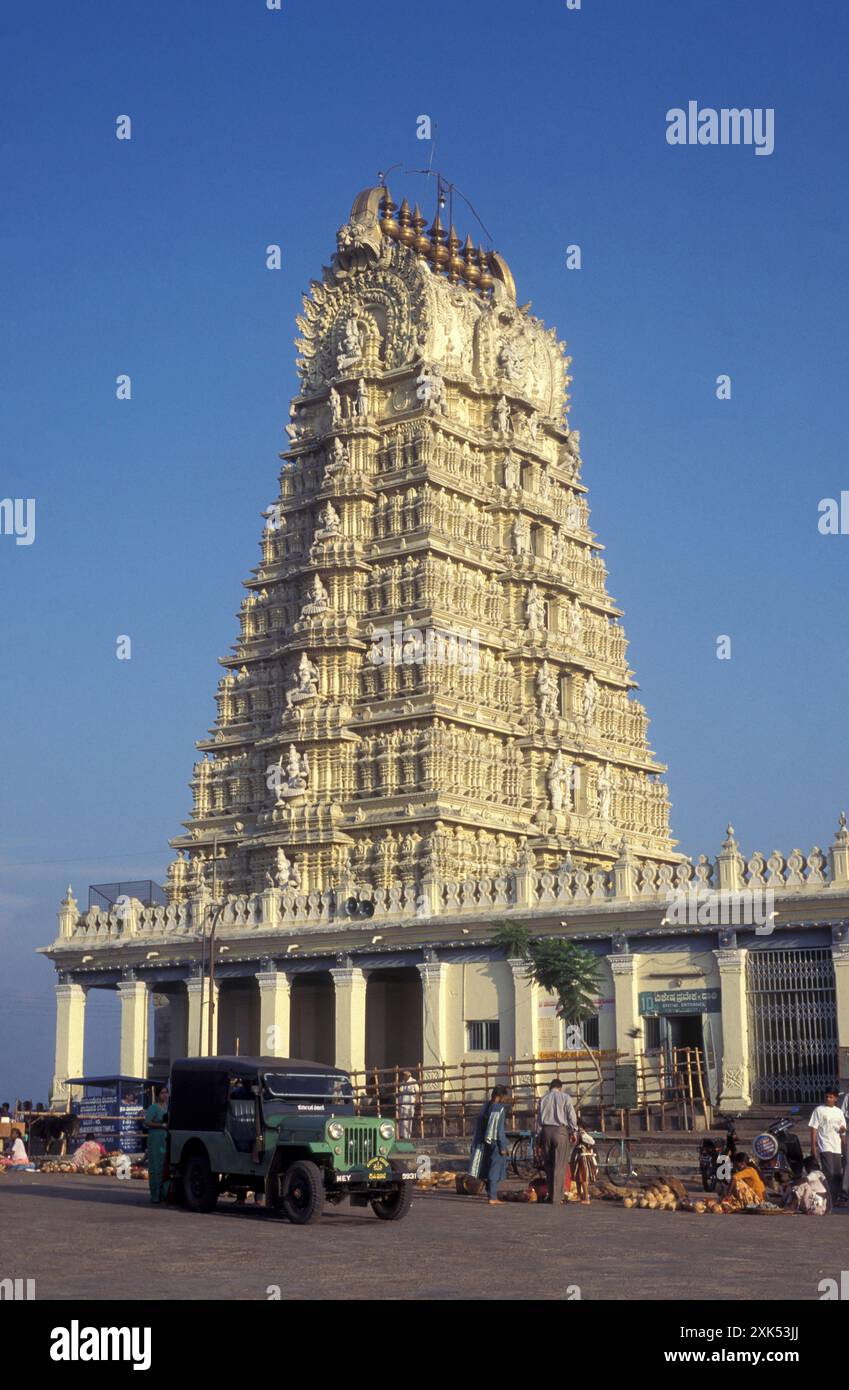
(146, 257)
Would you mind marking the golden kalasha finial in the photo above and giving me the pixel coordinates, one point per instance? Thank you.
(455, 260)
(470, 268)
(439, 252)
(406, 235)
(486, 280)
(388, 225)
(420, 241)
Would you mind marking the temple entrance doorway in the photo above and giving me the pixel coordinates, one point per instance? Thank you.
(313, 1018)
(238, 1019)
(394, 1018)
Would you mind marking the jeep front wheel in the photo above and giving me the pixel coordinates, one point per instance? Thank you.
(302, 1192)
(200, 1185)
(395, 1204)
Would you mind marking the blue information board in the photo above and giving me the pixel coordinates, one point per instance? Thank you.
(112, 1110)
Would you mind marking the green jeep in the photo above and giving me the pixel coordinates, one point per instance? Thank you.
(285, 1130)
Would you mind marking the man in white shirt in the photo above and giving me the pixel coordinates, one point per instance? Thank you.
(828, 1132)
(558, 1125)
(408, 1096)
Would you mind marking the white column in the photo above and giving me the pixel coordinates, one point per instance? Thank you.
(198, 1025)
(434, 976)
(624, 970)
(350, 985)
(275, 997)
(840, 956)
(70, 1032)
(134, 1015)
(525, 1011)
(735, 1086)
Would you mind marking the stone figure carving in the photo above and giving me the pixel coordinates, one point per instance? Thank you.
(522, 536)
(430, 388)
(358, 239)
(297, 769)
(558, 548)
(535, 608)
(285, 873)
(330, 523)
(293, 429)
(547, 690)
(605, 792)
(318, 599)
(304, 681)
(590, 700)
(512, 359)
(335, 403)
(338, 456)
(576, 622)
(512, 471)
(502, 415)
(532, 426)
(559, 779)
(362, 401)
(573, 514)
(351, 349)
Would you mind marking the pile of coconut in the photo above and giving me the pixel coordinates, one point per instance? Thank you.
(668, 1194)
(106, 1167)
(429, 1182)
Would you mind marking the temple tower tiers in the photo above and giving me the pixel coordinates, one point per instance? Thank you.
(430, 681)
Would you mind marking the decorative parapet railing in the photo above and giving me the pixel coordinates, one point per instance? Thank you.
(525, 889)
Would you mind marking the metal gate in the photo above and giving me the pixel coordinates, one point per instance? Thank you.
(792, 1025)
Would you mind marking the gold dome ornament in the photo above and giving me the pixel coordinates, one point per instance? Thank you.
(486, 280)
(406, 235)
(439, 252)
(455, 260)
(388, 224)
(420, 242)
(470, 268)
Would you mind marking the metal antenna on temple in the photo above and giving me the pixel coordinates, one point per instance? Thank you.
(383, 174)
(443, 186)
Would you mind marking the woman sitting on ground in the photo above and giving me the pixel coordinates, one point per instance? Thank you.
(809, 1195)
(19, 1157)
(747, 1187)
(89, 1152)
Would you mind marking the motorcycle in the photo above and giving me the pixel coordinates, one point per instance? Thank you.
(715, 1157)
(778, 1153)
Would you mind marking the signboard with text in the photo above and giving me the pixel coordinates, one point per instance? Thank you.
(680, 1001)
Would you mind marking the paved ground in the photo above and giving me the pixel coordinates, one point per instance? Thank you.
(82, 1238)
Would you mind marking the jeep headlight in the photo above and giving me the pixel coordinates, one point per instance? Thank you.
(387, 1130)
(335, 1130)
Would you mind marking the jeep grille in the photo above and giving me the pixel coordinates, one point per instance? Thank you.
(360, 1144)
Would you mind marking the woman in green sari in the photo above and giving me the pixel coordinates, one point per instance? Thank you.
(157, 1137)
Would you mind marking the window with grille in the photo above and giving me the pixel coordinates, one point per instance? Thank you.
(651, 1025)
(586, 1030)
(483, 1035)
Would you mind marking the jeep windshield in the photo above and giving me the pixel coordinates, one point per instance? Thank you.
(308, 1091)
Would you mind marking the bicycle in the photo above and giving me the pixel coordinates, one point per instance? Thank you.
(618, 1162)
(525, 1158)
